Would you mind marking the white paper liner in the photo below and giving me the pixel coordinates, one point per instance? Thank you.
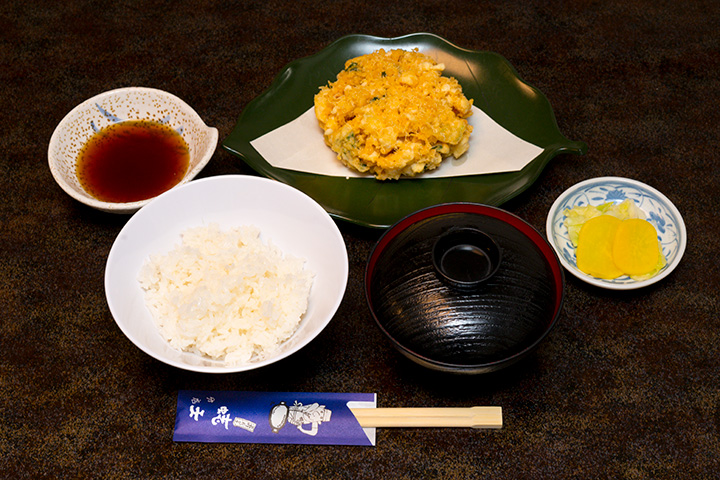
(299, 146)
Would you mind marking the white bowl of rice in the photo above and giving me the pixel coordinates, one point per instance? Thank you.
(226, 274)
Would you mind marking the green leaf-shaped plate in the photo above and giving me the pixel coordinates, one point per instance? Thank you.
(485, 77)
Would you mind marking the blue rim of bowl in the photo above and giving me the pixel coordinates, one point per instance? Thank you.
(660, 211)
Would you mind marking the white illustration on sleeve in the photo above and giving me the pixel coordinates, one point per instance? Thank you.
(299, 415)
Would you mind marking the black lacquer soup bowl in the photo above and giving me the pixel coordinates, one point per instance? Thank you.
(464, 287)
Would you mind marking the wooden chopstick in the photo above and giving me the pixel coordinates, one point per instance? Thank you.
(475, 417)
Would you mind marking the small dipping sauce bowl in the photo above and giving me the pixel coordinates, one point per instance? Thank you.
(124, 105)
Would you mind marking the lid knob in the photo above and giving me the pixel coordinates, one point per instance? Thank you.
(465, 257)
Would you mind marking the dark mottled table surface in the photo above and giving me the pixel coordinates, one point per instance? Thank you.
(625, 386)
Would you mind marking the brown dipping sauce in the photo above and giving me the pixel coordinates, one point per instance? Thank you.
(131, 161)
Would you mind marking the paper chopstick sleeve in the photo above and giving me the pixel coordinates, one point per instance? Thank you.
(271, 417)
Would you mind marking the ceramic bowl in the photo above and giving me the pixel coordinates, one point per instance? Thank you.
(464, 287)
(131, 103)
(659, 211)
(288, 218)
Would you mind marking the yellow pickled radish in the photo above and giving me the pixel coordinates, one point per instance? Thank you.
(595, 247)
(635, 248)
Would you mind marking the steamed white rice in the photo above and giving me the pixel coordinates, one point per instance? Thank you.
(226, 294)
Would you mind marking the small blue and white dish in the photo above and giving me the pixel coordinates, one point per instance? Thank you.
(659, 210)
